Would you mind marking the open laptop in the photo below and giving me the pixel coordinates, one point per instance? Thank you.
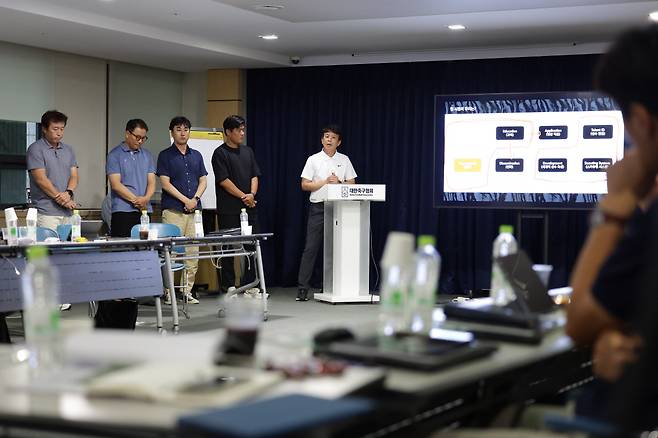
(525, 319)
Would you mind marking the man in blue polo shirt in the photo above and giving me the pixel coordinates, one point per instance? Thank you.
(130, 170)
(53, 172)
(183, 178)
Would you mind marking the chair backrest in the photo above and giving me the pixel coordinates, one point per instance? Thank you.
(64, 232)
(164, 230)
(43, 233)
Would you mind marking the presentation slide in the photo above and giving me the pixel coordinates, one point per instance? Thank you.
(544, 150)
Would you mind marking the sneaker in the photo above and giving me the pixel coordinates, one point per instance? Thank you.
(254, 292)
(302, 295)
(305, 295)
(190, 299)
(229, 292)
(64, 307)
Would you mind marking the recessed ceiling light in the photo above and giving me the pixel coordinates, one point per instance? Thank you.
(456, 27)
(653, 16)
(268, 7)
(269, 37)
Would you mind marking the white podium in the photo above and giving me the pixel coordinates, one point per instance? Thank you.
(347, 241)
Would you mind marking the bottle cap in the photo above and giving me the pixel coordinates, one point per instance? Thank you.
(144, 212)
(36, 252)
(244, 209)
(426, 239)
(10, 214)
(506, 229)
(76, 212)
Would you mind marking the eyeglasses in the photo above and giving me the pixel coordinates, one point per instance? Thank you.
(138, 137)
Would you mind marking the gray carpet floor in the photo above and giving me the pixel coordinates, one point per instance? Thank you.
(287, 319)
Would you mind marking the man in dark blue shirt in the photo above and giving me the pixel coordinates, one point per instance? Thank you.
(183, 178)
(605, 280)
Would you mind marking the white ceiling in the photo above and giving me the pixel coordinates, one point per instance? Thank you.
(195, 35)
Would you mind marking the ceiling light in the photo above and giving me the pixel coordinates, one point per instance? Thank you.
(653, 16)
(457, 27)
(269, 37)
(268, 7)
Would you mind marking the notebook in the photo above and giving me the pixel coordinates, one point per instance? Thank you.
(280, 416)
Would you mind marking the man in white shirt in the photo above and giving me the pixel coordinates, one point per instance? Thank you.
(326, 167)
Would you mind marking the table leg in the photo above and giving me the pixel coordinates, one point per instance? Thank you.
(172, 290)
(158, 313)
(261, 275)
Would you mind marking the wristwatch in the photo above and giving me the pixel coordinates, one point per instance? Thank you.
(599, 217)
(70, 192)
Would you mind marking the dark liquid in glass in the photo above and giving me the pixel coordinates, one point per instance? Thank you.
(240, 341)
(143, 234)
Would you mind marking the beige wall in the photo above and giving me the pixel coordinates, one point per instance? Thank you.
(151, 94)
(227, 89)
(34, 80)
(195, 87)
(80, 94)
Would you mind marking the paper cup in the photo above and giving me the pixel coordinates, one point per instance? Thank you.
(398, 249)
(543, 272)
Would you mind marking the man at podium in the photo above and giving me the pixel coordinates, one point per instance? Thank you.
(325, 167)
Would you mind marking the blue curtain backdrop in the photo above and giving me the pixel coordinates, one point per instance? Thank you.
(387, 115)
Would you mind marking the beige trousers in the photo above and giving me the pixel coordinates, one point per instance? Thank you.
(52, 221)
(186, 224)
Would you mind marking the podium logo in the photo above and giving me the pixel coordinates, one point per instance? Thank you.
(344, 192)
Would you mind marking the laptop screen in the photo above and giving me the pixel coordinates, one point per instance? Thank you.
(517, 268)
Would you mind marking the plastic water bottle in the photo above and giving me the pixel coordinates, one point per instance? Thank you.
(12, 226)
(396, 262)
(504, 245)
(31, 222)
(40, 284)
(76, 226)
(423, 285)
(244, 220)
(198, 224)
(144, 224)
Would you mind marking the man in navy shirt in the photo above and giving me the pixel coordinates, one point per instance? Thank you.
(607, 277)
(183, 178)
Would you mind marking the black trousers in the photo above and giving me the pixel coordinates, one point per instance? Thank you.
(119, 314)
(228, 274)
(4, 331)
(123, 222)
(314, 240)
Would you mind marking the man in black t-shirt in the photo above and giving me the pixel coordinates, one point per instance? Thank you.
(236, 184)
